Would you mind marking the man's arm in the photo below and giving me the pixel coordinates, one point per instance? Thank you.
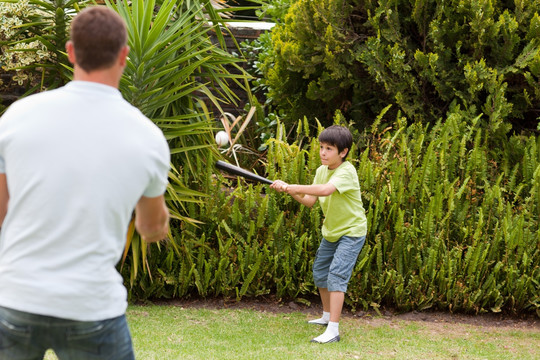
(4, 197)
(152, 218)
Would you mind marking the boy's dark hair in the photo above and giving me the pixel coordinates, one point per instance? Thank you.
(338, 136)
(98, 34)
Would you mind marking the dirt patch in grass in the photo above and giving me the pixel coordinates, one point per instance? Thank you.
(385, 316)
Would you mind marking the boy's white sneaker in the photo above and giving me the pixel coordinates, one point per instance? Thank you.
(320, 321)
(330, 335)
(318, 340)
(324, 320)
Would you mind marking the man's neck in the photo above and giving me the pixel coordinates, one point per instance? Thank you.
(105, 77)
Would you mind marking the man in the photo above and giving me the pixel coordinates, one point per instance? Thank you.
(74, 164)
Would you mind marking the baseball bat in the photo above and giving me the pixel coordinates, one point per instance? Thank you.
(235, 170)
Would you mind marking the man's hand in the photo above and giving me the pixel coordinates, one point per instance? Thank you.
(152, 218)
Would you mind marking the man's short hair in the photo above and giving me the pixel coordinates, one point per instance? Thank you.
(98, 34)
(337, 136)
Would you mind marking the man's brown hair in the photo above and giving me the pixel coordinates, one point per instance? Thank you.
(98, 34)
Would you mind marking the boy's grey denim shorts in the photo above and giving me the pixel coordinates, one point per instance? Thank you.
(335, 261)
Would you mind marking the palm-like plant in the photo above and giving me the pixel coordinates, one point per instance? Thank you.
(172, 62)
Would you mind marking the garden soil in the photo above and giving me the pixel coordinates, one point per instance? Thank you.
(435, 321)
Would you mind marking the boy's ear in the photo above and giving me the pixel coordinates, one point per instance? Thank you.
(344, 153)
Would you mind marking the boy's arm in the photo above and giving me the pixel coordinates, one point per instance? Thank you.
(307, 200)
(304, 194)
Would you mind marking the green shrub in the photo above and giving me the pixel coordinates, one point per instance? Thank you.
(33, 36)
(453, 225)
(423, 56)
(172, 63)
(247, 244)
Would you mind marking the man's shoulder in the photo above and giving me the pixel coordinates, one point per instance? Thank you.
(36, 97)
(28, 105)
(145, 124)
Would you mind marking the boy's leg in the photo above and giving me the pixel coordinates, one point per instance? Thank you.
(339, 273)
(325, 300)
(321, 267)
(336, 305)
(332, 331)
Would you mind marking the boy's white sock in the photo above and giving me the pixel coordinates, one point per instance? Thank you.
(330, 335)
(321, 321)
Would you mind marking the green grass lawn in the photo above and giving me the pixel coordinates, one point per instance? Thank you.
(174, 332)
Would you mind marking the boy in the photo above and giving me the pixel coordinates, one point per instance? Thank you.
(344, 227)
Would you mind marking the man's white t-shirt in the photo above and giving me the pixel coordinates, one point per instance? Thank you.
(77, 160)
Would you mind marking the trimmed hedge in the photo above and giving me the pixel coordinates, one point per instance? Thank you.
(422, 56)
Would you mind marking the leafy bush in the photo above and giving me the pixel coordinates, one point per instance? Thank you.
(173, 62)
(423, 56)
(16, 54)
(33, 35)
(246, 246)
(452, 225)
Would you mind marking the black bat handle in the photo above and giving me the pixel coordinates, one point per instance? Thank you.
(235, 170)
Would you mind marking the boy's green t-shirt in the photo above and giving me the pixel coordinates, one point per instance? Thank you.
(343, 210)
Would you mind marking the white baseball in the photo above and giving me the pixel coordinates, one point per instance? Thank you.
(222, 138)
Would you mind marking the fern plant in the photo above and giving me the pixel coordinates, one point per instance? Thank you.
(452, 224)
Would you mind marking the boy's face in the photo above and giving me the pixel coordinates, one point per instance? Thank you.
(331, 156)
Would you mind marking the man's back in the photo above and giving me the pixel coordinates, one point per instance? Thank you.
(77, 160)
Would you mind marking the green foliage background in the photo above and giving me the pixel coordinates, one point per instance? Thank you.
(423, 56)
(452, 197)
(452, 225)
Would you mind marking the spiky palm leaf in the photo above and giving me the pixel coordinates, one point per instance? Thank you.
(172, 62)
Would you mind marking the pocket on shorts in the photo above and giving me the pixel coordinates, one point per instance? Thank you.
(344, 266)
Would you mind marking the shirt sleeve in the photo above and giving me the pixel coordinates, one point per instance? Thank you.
(160, 170)
(342, 180)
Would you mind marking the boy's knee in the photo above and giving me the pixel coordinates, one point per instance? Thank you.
(320, 281)
(336, 282)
